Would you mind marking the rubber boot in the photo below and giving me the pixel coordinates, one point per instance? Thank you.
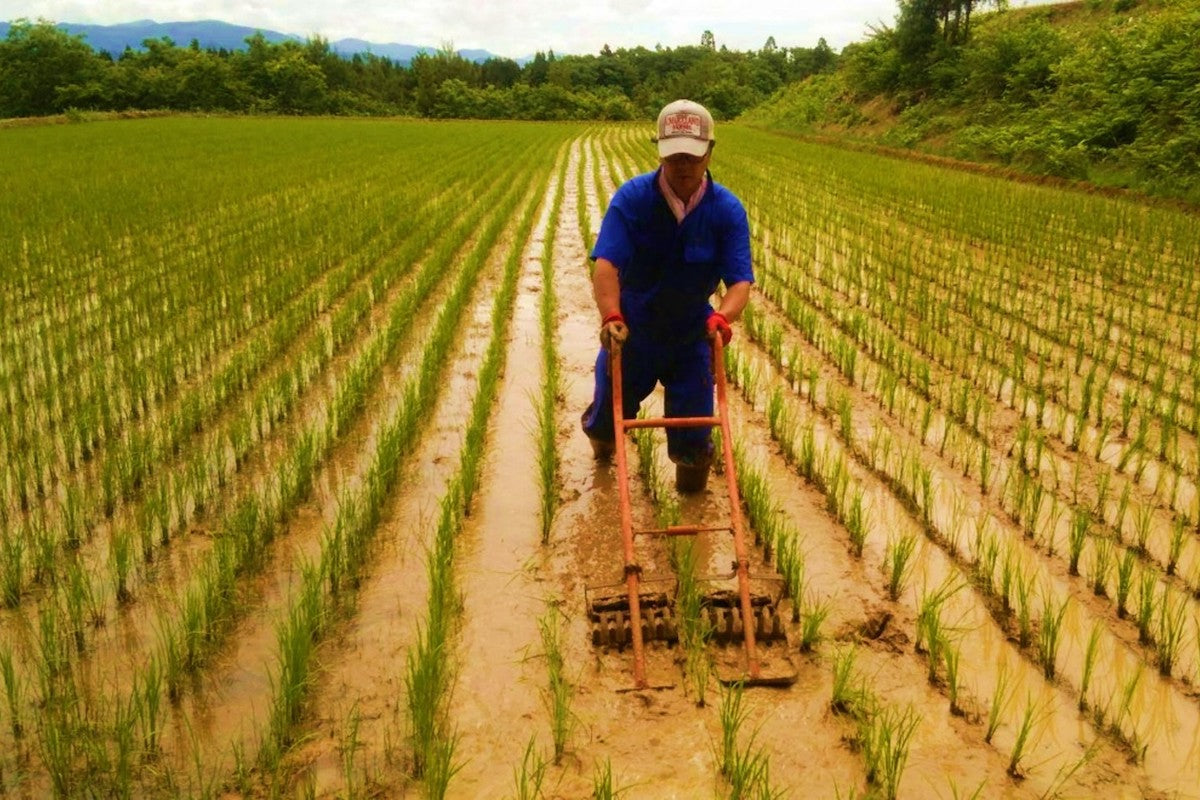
(692, 477)
(601, 449)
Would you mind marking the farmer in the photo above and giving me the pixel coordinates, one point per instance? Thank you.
(668, 238)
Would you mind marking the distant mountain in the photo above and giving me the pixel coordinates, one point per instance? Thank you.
(215, 34)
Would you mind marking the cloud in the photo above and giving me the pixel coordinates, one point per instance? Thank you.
(513, 28)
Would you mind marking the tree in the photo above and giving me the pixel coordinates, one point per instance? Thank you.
(499, 72)
(708, 41)
(36, 61)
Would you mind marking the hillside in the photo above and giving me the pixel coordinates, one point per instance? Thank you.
(1106, 91)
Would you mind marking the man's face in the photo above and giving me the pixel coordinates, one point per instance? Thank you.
(684, 173)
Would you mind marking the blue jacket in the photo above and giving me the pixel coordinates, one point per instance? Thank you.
(668, 270)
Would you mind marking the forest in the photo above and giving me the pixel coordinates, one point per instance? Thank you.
(44, 70)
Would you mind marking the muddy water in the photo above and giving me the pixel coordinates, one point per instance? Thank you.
(497, 706)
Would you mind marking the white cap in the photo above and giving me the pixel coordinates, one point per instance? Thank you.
(684, 127)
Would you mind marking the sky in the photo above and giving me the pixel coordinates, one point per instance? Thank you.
(512, 28)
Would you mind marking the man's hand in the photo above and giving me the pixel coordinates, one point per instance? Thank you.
(613, 330)
(717, 324)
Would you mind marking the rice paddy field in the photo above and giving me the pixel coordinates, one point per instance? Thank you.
(293, 501)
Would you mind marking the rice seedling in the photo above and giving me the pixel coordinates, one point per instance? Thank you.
(1090, 652)
(776, 413)
(932, 633)
(1124, 710)
(14, 692)
(885, 737)
(1175, 545)
(1122, 509)
(1000, 699)
(958, 514)
(441, 766)
(1029, 717)
(985, 468)
(1124, 582)
(603, 784)
(813, 616)
(1010, 573)
(348, 748)
(558, 697)
(1050, 631)
(1102, 554)
(1169, 636)
(807, 465)
(1081, 521)
(732, 714)
(1142, 525)
(529, 776)
(12, 555)
(1022, 592)
(423, 681)
(790, 563)
(951, 655)
(845, 698)
(835, 481)
(122, 767)
(857, 522)
(898, 562)
(1146, 606)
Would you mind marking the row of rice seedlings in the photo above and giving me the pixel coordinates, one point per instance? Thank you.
(883, 733)
(558, 693)
(778, 535)
(547, 403)
(428, 670)
(1014, 588)
(344, 547)
(746, 768)
(581, 209)
(695, 629)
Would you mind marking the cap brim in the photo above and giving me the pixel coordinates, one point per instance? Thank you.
(682, 144)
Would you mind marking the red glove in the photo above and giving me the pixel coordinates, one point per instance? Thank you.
(613, 330)
(717, 323)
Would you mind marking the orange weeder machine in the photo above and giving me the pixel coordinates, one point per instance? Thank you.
(635, 617)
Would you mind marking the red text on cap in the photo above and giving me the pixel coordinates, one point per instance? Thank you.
(683, 124)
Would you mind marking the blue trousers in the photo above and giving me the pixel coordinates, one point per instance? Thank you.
(685, 371)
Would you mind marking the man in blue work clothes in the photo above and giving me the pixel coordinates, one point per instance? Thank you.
(668, 238)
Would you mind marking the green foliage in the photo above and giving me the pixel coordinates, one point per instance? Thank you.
(1108, 91)
(44, 70)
